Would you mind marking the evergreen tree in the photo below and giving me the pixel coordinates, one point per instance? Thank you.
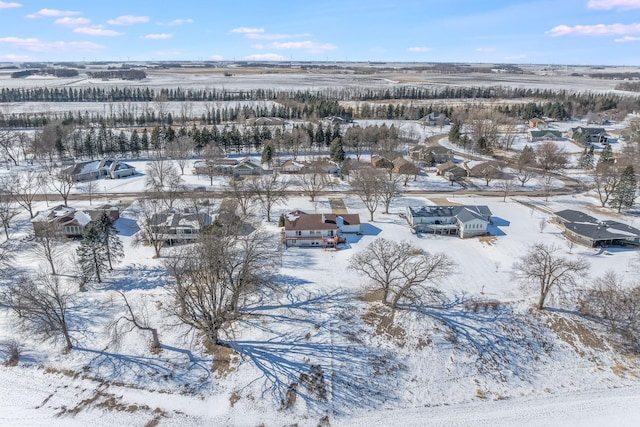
(606, 156)
(625, 194)
(281, 221)
(134, 143)
(267, 154)
(586, 160)
(337, 150)
(91, 254)
(112, 245)
(454, 132)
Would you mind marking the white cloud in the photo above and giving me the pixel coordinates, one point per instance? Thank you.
(265, 57)
(595, 30)
(156, 36)
(97, 30)
(245, 30)
(421, 49)
(613, 4)
(36, 45)
(485, 49)
(71, 22)
(307, 46)
(626, 39)
(12, 57)
(53, 13)
(216, 58)
(176, 22)
(9, 5)
(128, 20)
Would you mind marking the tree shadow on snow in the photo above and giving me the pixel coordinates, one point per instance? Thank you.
(502, 340)
(306, 351)
(136, 276)
(126, 226)
(192, 373)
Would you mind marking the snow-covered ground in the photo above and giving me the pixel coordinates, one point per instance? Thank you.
(503, 366)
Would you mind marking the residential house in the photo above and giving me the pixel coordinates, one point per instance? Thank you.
(544, 135)
(463, 221)
(587, 135)
(486, 170)
(380, 162)
(452, 171)
(435, 119)
(537, 123)
(107, 168)
(264, 121)
(404, 166)
(589, 231)
(318, 230)
(179, 226)
(433, 155)
(291, 166)
(227, 166)
(69, 222)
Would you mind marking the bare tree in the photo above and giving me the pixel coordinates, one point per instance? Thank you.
(366, 184)
(210, 154)
(152, 228)
(42, 306)
(23, 188)
(213, 277)
(242, 193)
(541, 268)
(180, 149)
(10, 145)
(63, 183)
(506, 186)
(606, 178)
(163, 179)
(389, 188)
(8, 210)
(618, 304)
(313, 183)
(551, 158)
(269, 191)
(400, 270)
(138, 319)
(509, 132)
(161, 103)
(48, 245)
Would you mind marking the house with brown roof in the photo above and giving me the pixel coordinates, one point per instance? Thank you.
(404, 167)
(538, 123)
(317, 230)
(381, 162)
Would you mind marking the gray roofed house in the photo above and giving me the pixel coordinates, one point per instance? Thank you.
(590, 231)
(175, 226)
(544, 135)
(109, 168)
(464, 221)
(587, 135)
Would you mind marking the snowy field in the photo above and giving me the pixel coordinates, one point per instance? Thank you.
(412, 375)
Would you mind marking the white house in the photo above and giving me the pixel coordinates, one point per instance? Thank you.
(464, 221)
(109, 168)
(319, 230)
(174, 226)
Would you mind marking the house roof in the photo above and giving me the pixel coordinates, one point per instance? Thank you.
(570, 215)
(607, 230)
(299, 220)
(463, 213)
(542, 133)
(590, 131)
(439, 149)
(174, 219)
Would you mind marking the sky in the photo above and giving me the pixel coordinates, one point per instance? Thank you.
(580, 32)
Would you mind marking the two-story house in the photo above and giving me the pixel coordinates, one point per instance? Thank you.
(319, 230)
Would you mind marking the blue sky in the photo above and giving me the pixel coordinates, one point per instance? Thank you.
(514, 31)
